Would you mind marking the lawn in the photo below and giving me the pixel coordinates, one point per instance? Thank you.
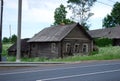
(105, 53)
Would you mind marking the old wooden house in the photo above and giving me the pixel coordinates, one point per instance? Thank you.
(111, 33)
(61, 41)
(24, 48)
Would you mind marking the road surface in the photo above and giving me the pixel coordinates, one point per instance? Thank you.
(93, 71)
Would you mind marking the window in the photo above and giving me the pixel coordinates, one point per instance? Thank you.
(33, 45)
(68, 47)
(85, 48)
(53, 47)
(76, 48)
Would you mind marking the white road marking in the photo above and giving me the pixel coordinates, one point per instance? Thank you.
(58, 69)
(87, 74)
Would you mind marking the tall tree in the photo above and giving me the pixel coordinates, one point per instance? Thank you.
(114, 18)
(81, 10)
(60, 16)
(6, 40)
(13, 38)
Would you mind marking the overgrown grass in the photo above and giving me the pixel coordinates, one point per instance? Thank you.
(37, 59)
(4, 49)
(105, 53)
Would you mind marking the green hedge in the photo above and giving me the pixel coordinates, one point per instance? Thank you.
(102, 42)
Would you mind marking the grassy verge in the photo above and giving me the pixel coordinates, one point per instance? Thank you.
(105, 53)
(4, 50)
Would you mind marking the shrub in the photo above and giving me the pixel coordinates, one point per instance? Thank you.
(102, 42)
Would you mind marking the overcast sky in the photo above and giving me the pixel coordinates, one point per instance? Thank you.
(38, 14)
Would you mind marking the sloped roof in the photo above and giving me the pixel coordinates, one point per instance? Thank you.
(53, 34)
(112, 33)
(24, 45)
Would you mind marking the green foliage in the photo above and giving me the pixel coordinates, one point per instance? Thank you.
(83, 2)
(4, 49)
(85, 25)
(102, 42)
(81, 10)
(60, 16)
(12, 39)
(94, 52)
(11, 58)
(6, 40)
(35, 59)
(104, 53)
(114, 18)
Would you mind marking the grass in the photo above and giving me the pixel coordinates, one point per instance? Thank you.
(4, 49)
(105, 53)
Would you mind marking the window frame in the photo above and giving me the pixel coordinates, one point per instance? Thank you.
(67, 47)
(53, 47)
(78, 48)
(86, 48)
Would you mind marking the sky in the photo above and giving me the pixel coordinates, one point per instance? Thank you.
(39, 14)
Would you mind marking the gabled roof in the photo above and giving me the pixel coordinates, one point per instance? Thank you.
(54, 34)
(24, 45)
(112, 33)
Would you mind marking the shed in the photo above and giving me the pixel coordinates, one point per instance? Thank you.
(24, 48)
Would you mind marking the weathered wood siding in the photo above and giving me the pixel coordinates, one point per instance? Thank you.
(44, 50)
(76, 36)
(116, 42)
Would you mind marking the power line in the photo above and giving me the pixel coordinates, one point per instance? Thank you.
(112, 1)
(104, 3)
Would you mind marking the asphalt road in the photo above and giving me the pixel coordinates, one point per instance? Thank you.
(93, 71)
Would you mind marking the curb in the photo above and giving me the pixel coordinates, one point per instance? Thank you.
(26, 64)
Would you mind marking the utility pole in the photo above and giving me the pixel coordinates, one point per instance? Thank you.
(1, 17)
(19, 31)
(10, 32)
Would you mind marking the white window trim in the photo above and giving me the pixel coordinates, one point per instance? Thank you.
(86, 47)
(53, 47)
(75, 47)
(67, 46)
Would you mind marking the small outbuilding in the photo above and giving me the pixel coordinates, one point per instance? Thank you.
(24, 48)
(61, 41)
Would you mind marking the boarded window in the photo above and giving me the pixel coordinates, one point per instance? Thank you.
(33, 45)
(53, 47)
(85, 48)
(68, 47)
(76, 48)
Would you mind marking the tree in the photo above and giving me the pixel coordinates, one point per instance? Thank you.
(13, 38)
(6, 40)
(81, 10)
(60, 16)
(114, 18)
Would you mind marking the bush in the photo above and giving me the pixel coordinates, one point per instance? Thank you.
(11, 58)
(102, 42)
(94, 52)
